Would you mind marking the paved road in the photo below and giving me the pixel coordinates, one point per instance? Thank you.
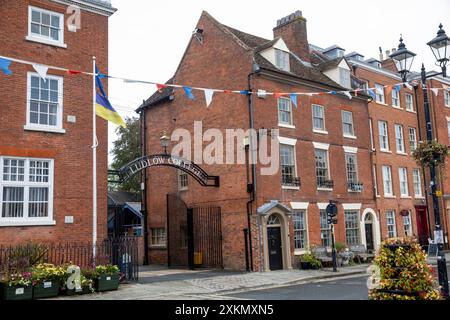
(350, 288)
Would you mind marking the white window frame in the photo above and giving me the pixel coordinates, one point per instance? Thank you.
(448, 129)
(344, 78)
(372, 141)
(358, 228)
(26, 184)
(379, 94)
(399, 139)
(319, 130)
(60, 109)
(305, 216)
(383, 133)
(412, 133)
(289, 143)
(352, 134)
(390, 215)
(395, 97)
(447, 98)
(417, 184)
(327, 230)
(44, 39)
(158, 236)
(289, 124)
(348, 155)
(180, 176)
(323, 147)
(375, 180)
(408, 232)
(403, 180)
(282, 60)
(387, 170)
(409, 105)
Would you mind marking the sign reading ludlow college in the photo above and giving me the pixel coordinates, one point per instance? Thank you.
(187, 166)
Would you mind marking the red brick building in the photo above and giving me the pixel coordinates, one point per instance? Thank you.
(46, 131)
(325, 146)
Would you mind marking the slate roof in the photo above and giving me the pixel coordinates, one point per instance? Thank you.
(265, 208)
(159, 96)
(330, 64)
(248, 39)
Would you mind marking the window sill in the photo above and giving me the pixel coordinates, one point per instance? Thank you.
(158, 247)
(29, 223)
(349, 137)
(411, 111)
(299, 252)
(402, 153)
(290, 188)
(381, 103)
(324, 189)
(419, 197)
(42, 128)
(183, 189)
(46, 41)
(385, 151)
(390, 197)
(320, 131)
(405, 197)
(283, 125)
(397, 107)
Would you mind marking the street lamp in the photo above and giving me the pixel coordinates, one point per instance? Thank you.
(402, 61)
(165, 139)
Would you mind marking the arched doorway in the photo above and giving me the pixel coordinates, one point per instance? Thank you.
(370, 230)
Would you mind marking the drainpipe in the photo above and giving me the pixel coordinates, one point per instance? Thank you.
(424, 187)
(144, 188)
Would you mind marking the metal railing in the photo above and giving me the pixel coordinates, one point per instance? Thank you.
(325, 184)
(355, 186)
(290, 181)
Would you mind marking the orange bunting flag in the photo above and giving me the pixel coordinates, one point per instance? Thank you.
(160, 86)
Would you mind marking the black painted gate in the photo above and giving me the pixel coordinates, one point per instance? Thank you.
(194, 235)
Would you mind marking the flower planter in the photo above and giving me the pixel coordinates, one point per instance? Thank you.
(107, 283)
(46, 289)
(16, 292)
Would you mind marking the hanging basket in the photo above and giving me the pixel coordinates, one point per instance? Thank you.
(430, 153)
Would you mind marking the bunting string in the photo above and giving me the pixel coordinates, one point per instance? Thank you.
(42, 70)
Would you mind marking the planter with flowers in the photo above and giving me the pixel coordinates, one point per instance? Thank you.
(17, 287)
(47, 280)
(106, 278)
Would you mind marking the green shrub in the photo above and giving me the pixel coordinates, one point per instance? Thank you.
(311, 260)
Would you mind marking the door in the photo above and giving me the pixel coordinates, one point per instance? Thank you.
(369, 237)
(274, 246)
(422, 225)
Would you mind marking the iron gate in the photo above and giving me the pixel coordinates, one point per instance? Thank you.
(194, 235)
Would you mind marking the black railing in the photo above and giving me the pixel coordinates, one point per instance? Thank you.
(289, 181)
(122, 252)
(325, 184)
(355, 186)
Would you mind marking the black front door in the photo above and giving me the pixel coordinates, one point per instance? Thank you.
(369, 237)
(275, 253)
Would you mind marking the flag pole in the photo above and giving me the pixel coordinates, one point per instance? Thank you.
(94, 166)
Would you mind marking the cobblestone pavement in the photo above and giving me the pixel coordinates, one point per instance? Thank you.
(169, 284)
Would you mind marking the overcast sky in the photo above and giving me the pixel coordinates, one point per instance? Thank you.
(148, 38)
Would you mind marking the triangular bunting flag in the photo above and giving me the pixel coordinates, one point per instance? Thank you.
(356, 92)
(371, 93)
(227, 91)
(435, 91)
(73, 72)
(160, 86)
(398, 87)
(208, 96)
(408, 86)
(41, 70)
(4, 66)
(277, 95)
(333, 92)
(188, 91)
(347, 93)
(293, 97)
(245, 92)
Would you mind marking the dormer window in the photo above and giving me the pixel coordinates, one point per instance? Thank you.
(282, 60)
(344, 78)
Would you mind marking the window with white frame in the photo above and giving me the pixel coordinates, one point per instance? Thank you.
(347, 123)
(287, 160)
(407, 226)
(447, 98)
(322, 172)
(44, 101)
(395, 98)
(403, 177)
(417, 183)
(45, 25)
(352, 168)
(282, 59)
(284, 111)
(383, 135)
(344, 78)
(372, 142)
(400, 143)
(318, 117)
(300, 229)
(26, 190)
(387, 180)
(409, 102)
(158, 237)
(448, 129)
(182, 180)
(375, 180)
(351, 219)
(325, 231)
(412, 139)
(390, 222)
(379, 93)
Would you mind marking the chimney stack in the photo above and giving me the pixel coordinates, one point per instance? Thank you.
(388, 52)
(292, 29)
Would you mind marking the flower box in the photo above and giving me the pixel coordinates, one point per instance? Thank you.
(18, 292)
(107, 282)
(46, 289)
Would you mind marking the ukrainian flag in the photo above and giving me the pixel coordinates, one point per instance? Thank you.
(103, 107)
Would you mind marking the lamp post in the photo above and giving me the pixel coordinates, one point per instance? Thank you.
(165, 139)
(403, 61)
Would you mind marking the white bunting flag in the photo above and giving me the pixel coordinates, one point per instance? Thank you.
(347, 93)
(41, 70)
(435, 91)
(408, 86)
(208, 96)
